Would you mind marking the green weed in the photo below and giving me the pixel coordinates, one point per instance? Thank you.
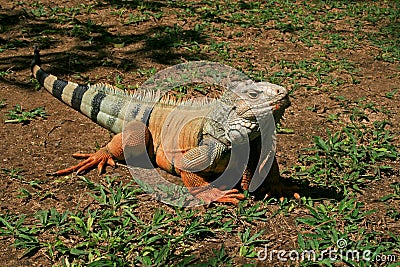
(392, 196)
(17, 115)
(248, 241)
(349, 158)
(332, 227)
(391, 94)
(3, 103)
(112, 233)
(147, 72)
(13, 173)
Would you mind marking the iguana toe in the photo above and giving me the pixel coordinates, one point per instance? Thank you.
(216, 195)
(282, 190)
(101, 158)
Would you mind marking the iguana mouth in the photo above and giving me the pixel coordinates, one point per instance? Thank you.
(280, 107)
(282, 104)
(260, 110)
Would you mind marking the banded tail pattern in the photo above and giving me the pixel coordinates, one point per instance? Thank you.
(104, 104)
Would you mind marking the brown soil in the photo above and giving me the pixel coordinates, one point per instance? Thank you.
(45, 145)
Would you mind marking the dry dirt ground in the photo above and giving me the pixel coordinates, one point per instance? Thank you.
(45, 145)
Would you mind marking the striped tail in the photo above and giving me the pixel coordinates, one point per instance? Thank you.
(104, 104)
(68, 92)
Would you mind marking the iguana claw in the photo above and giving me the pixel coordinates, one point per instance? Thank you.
(105, 155)
(211, 194)
(282, 190)
(231, 196)
(100, 158)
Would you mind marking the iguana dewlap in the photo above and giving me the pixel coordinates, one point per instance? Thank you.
(198, 152)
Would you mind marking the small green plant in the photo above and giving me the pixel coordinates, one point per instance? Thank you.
(136, 18)
(119, 81)
(220, 258)
(248, 241)
(38, 10)
(16, 174)
(11, 45)
(392, 196)
(17, 115)
(391, 94)
(351, 157)
(2, 103)
(114, 229)
(332, 226)
(25, 194)
(13, 173)
(3, 73)
(147, 72)
(249, 213)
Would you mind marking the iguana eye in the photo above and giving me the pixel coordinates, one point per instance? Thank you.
(253, 94)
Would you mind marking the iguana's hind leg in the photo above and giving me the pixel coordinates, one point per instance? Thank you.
(134, 138)
(106, 155)
(201, 189)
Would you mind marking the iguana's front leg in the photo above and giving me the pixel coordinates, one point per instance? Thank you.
(203, 190)
(199, 159)
(273, 183)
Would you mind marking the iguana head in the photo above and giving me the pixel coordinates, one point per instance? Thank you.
(253, 106)
(258, 98)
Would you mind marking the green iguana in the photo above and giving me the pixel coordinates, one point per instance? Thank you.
(201, 146)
